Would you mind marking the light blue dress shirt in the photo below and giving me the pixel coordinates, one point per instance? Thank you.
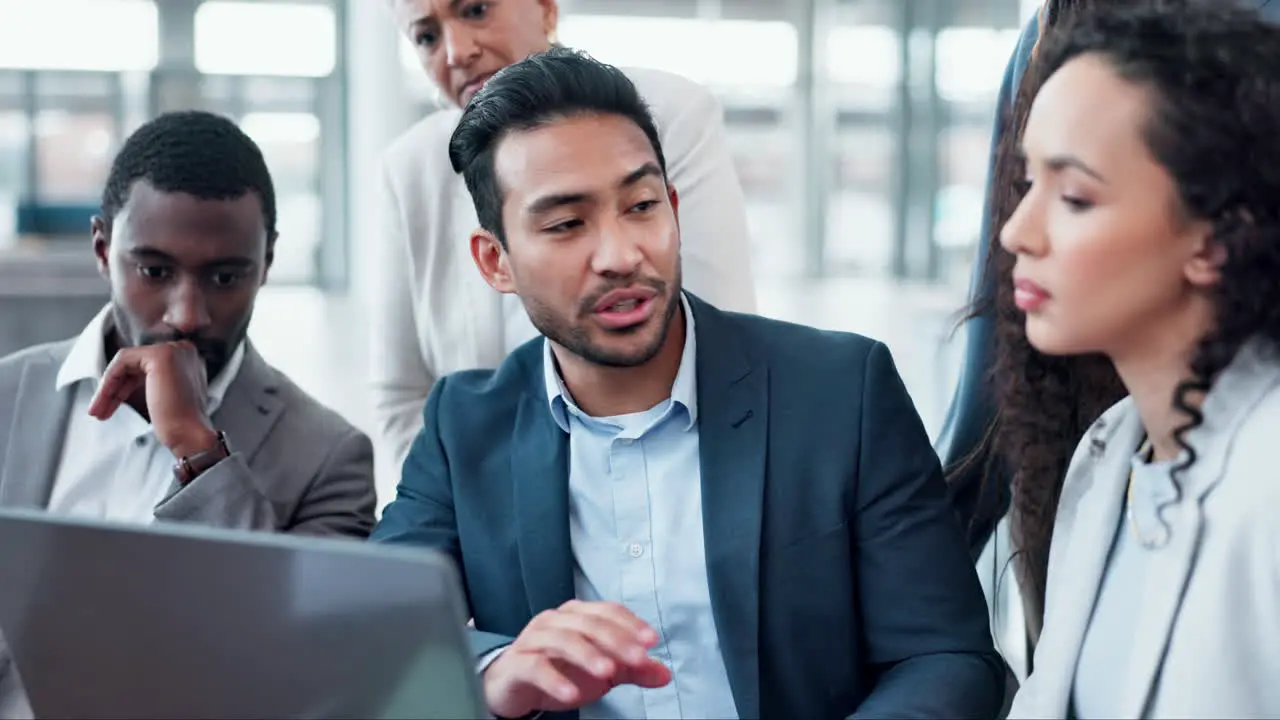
(635, 529)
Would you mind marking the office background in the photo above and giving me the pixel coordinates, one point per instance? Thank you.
(861, 130)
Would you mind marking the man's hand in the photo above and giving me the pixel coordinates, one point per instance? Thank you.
(172, 376)
(571, 657)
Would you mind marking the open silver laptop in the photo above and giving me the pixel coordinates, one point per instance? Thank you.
(176, 621)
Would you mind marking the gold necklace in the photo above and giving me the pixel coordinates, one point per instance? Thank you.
(1160, 539)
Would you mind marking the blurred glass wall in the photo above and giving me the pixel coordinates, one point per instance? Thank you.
(77, 76)
(860, 127)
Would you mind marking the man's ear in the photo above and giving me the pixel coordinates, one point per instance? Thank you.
(100, 239)
(550, 17)
(1204, 267)
(674, 197)
(492, 261)
(269, 258)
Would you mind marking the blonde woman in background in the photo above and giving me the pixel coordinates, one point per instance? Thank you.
(433, 314)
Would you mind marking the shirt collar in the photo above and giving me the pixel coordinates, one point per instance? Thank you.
(87, 360)
(684, 391)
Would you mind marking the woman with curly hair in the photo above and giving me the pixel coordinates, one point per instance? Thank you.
(1041, 405)
(1143, 258)
(1014, 420)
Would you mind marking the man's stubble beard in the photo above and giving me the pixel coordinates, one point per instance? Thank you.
(576, 338)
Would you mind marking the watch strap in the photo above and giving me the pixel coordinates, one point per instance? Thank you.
(192, 466)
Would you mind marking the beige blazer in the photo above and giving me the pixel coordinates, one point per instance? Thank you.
(432, 314)
(1209, 647)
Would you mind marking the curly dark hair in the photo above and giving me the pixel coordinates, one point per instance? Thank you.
(193, 152)
(1214, 77)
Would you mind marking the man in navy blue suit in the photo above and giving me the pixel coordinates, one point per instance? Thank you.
(660, 509)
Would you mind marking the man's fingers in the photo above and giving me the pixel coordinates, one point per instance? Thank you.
(613, 637)
(652, 674)
(573, 656)
(118, 382)
(574, 649)
(620, 615)
(543, 675)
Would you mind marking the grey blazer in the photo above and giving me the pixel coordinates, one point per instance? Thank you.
(1206, 647)
(296, 466)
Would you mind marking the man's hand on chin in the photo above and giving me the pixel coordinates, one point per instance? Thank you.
(173, 379)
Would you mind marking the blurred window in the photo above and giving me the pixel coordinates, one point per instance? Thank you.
(244, 38)
(971, 62)
(717, 53)
(290, 142)
(103, 35)
(73, 154)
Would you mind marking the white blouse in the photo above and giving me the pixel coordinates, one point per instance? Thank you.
(1128, 579)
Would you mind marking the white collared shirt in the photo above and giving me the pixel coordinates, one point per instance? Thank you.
(114, 469)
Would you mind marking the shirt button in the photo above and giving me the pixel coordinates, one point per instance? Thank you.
(635, 550)
(142, 440)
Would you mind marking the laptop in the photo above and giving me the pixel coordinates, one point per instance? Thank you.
(171, 621)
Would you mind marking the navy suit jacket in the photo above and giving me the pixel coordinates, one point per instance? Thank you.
(839, 580)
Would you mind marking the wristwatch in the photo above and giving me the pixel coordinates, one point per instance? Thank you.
(191, 466)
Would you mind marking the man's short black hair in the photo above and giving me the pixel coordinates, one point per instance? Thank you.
(196, 153)
(557, 84)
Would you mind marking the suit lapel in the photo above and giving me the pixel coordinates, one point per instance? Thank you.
(733, 407)
(252, 405)
(540, 480)
(1069, 607)
(250, 409)
(1234, 395)
(40, 413)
